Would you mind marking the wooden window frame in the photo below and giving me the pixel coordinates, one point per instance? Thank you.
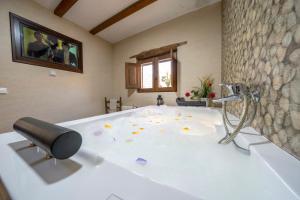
(155, 64)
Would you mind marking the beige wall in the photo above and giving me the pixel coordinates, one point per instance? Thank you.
(32, 92)
(200, 57)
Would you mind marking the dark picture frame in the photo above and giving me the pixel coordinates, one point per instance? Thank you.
(58, 51)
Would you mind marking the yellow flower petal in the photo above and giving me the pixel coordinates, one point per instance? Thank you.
(185, 129)
(135, 132)
(107, 125)
(141, 129)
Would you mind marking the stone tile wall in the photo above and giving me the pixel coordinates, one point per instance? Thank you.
(261, 46)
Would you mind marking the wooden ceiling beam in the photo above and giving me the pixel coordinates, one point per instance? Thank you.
(140, 4)
(63, 7)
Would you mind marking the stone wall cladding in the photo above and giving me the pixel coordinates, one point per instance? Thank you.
(261, 46)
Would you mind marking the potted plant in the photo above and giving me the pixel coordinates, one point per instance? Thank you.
(205, 91)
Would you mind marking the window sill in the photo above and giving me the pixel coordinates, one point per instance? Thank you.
(157, 90)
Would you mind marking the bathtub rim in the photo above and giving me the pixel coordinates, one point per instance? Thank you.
(282, 164)
(287, 172)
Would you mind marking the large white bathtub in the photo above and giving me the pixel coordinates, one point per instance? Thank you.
(153, 153)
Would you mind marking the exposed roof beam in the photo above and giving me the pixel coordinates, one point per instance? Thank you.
(121, 15)
(63, 7)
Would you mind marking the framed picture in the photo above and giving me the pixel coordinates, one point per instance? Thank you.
(37, 45)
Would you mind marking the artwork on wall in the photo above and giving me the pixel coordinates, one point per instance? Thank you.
(37, 45)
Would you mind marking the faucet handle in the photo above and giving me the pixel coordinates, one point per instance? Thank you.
(236, 88)
(229, 87)
(255, 92)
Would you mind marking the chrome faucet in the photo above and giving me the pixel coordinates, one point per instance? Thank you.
(238, 92)
(235, 92)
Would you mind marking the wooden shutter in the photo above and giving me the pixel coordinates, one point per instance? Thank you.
(174, 74)
(132, 75)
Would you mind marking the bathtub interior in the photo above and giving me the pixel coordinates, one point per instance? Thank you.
(177, 147)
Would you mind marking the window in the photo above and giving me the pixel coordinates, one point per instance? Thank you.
(147, 74)
(164, 73)
(158, 74)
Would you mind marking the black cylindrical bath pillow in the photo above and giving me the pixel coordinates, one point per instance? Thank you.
(57, 141)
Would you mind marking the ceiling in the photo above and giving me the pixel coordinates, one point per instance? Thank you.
(90, 13)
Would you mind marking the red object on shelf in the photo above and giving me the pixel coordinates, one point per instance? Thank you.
(187, 94)
(211, 95)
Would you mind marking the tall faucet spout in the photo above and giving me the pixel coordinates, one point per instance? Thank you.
(228, 98)
(238, 92)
